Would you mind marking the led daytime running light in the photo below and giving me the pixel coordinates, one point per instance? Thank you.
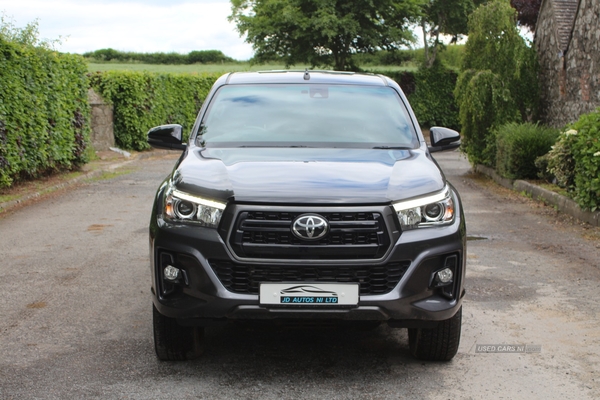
(198, 200)
(405, 205)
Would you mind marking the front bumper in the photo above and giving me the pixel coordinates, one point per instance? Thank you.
(200, 297)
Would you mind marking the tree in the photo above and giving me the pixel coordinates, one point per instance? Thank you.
(528, 11)
(27, 36)
(323, 32)
(498, 83)
(444, 17)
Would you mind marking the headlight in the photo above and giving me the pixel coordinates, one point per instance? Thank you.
(183, 207)
(434, 210)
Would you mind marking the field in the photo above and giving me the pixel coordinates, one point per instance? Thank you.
(233, 67)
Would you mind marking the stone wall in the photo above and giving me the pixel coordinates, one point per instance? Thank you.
(570, 76)
(102, 136)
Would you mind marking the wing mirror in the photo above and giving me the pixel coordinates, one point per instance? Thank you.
(167, 137)
(443, 139)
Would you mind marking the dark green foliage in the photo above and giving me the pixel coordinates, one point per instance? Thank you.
(208, 57)
(430, 94)
(541, 163)
(433, 101)
(498, 84)
(44, 111)
(406, 79)
(193, 57)
(519, 145)
(143, 100)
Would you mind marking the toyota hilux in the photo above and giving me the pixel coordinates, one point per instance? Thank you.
(305, 196)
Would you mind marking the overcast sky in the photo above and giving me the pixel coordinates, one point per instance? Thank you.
(143, 26)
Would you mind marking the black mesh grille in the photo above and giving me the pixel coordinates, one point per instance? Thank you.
(266, 234)
(245, 279)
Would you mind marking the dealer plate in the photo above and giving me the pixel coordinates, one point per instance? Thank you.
(314, 294)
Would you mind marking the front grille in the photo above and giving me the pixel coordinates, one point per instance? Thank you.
(268, 234)
(245, 279)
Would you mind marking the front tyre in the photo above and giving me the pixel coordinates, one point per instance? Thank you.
(174, 342)
(439, 343)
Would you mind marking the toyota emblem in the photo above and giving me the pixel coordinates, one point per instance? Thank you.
(310, 227)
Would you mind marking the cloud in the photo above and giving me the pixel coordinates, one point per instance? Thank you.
(139, 26)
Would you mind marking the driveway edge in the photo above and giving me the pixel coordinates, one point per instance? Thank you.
(8, 205)
(560, 202)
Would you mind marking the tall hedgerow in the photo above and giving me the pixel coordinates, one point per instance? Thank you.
(44, 111)
(142, 100)
(498, 83)
(433, 101)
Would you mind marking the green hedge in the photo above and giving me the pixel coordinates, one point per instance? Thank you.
(430, 93)
(406, 79)
(433, 99)
(44, 111)
(519, 145)
(143, 100)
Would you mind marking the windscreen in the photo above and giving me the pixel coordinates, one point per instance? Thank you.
(305, 115)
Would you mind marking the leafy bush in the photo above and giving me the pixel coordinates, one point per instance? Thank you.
(519, 145)
(142, 100)
(433, 101)
(586, 152)
(484, 103)
(498, 84)
(560, 163)
(574, 160)
(44, 111)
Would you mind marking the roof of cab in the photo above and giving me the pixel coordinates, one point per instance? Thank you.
(309, 76)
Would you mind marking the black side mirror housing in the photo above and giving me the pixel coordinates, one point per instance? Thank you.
(167, 137)
(443, 139)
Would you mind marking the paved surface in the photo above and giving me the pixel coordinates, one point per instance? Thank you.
(76, 314)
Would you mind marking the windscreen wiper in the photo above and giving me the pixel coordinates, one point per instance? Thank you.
(393, 148)
(274, 146)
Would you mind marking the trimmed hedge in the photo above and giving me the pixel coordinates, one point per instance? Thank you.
(143, 100)
(44, 111)
(430, 93)
(518, 146)
(406, 79)
(433, 99)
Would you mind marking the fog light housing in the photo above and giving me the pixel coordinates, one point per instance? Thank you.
(444, 276)
(445, 279)
(171, 273)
